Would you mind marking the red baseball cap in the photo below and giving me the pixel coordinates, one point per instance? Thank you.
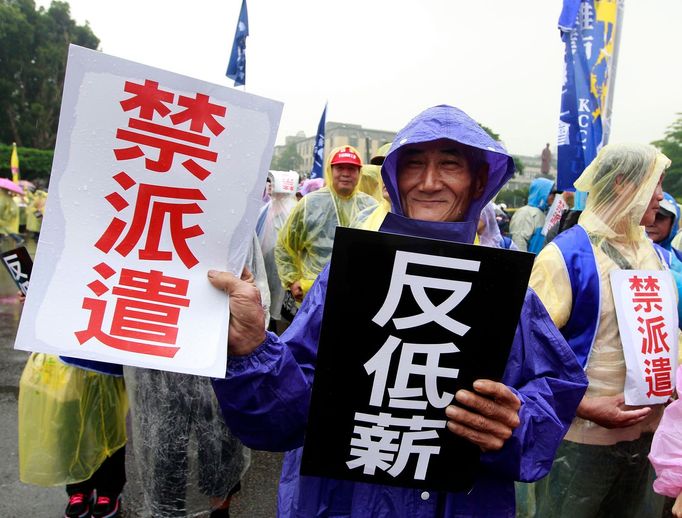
(346, 155)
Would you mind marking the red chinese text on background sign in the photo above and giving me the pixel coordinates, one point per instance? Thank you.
(147, 309)
(152, 204)
(659, 377)
(151, 100)
(646, 298)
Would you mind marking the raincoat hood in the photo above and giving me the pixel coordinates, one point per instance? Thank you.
(370, 181)
(620, 181)
(445, 122)
(310, 185)
(540, 188)
(667, 242)
(491, 235)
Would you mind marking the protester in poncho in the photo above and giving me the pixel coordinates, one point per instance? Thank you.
(305, 242)
(270, 221)
(601, 467)
(526, 224)
(488, 231)
(266, 392)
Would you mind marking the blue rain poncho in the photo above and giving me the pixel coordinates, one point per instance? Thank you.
(265, 395)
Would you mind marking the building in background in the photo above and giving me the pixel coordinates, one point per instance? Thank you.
(366, 141)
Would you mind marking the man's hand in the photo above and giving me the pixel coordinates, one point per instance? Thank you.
(247, 317)
(677, 508)
(493, 414)
(296, 290)
(611, 411)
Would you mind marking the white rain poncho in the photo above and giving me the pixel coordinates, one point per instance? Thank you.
(489, 232)
(270, 222)
(305, 242)
(184, 452)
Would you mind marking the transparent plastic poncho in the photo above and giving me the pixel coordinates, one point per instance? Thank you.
(305, 242)
(187, 458)
(274, 216)
(489, 232)
(620, 183)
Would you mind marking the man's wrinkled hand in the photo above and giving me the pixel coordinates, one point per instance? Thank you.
(490, 416)
(611, 411)
(247, 317)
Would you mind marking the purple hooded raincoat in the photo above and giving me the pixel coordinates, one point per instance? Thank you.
(265, 395)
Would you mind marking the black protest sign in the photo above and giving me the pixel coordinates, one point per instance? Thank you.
(407, 322)
(19, 264)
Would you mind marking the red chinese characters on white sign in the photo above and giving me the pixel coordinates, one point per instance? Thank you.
(167, 134)
(646, 301)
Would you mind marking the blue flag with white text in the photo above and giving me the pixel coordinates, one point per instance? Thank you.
(236, 68)
(588, 29)
(318, 151)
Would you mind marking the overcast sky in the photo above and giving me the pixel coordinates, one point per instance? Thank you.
(380, 62)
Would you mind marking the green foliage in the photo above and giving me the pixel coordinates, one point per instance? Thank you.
(671, 146)
(490, 132)
(33, 49)
(518, 163)
(33, 163)
(288, 159)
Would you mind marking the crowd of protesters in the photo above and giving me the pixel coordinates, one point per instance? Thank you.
(556, 420)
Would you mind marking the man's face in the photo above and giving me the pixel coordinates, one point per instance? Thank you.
(344, 178)
(660, 228)
(649, 217)
(435, 182)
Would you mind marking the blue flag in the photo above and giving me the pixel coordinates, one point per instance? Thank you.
(318, 151)
(588, 29)
(236, 68)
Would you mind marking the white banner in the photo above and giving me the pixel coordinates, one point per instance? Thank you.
(646, 308)
(554, 213)
(156, 179)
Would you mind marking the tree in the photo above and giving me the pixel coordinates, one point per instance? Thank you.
(518, 164)
(287, 160)
(671, 146)
(33, 50)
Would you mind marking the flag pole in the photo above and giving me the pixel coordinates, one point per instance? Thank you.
(608, 102)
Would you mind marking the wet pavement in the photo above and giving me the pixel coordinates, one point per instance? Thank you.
(257, 498)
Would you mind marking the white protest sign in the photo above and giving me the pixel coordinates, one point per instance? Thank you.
(156, 179)
(559, 206)
(285, 182)
(646, 308)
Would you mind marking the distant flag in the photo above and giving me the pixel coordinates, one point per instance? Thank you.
(590, 30)
(318, 151)
(236, 68)
(14, 163)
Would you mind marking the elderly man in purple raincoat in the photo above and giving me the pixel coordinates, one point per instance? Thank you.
(440, 172)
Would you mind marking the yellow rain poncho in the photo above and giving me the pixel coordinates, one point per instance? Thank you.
(70, 421)
(304, 245)
(371, 183)
(9, 214)
(34, 211)
(621, 182)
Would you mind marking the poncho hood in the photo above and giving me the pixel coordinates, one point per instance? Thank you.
(444, 122)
